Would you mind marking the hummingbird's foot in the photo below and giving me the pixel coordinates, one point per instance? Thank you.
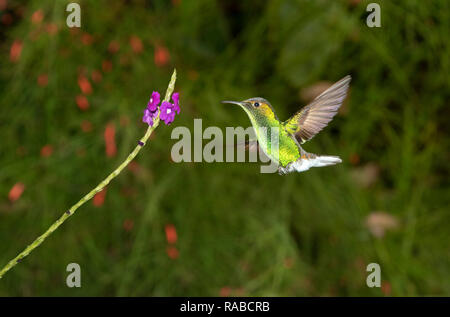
(281, 170)
(308, 156)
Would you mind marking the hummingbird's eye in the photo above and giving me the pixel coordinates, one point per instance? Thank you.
(256, 104)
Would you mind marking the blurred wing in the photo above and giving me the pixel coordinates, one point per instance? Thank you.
(311, 119)
(249, 145)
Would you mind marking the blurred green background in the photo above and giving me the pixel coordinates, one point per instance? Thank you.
(224, 229)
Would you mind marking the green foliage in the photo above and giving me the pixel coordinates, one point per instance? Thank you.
(258, 234)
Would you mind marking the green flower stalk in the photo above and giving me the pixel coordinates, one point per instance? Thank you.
(158, 112)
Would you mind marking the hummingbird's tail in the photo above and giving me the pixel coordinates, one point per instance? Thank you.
(308, 160)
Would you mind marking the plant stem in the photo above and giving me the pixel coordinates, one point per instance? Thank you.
(97, 189)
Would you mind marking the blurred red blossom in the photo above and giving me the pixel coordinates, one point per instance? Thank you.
(16, 191)
(162, 56)
(37, 16)
(84, 85)
(81, 70)
(42, 80)
(225, 291)
(113, 47)
(82, 102)
(86, 126)
(171, 233)
(386, 288)
(172, 252)
(136, 44)
(128, 224)
(74, 31)
(134, 167)
(354, 159)
(87, 39)
(3, 4)
(15, 51)
(354, 2)
(51, 28)
(110, 142)
(96, 76)
(46, 150)
(99, 198)
(106, 66)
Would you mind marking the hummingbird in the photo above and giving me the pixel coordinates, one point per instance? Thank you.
(298, 129)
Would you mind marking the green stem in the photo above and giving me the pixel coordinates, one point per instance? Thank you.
(91, 194)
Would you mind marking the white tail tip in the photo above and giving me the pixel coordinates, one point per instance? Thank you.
(326, 160)
(302, 165)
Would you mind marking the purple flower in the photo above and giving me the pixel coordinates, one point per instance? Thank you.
(167, 112)
(152, 105)
(149, 116)
(176, 98)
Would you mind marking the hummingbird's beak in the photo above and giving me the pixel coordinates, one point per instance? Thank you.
(239, 103)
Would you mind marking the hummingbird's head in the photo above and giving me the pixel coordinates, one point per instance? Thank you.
(255, 107)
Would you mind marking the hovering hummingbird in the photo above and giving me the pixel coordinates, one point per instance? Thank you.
(298, 129)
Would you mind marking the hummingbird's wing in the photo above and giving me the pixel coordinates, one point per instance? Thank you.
(311, 119)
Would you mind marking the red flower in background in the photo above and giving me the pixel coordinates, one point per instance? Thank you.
(162, 56)
(172, 252)
(134, 167)
(113, 47)
(42, 80)
(136, 44)
(37, 16)
(15, 51)
(225, 291)
(51, 28)
(171, 233)
(87, 39)
(86, 126)
(386, 288)
(128, 224)
(84, 85)
(106, 66)
(46, 150)
(96, 76)
(3, 4)
(16, 191)
(110, 142)
(99, 198)
(82, 102)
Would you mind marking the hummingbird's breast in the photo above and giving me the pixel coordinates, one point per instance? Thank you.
(275, 141)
